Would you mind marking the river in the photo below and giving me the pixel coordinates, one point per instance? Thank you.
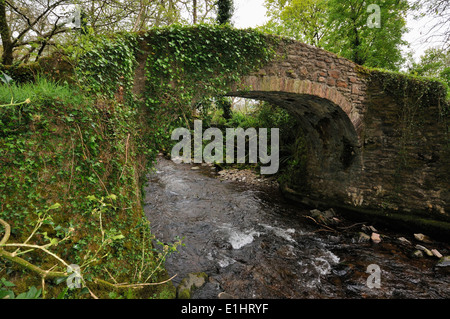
(253, 243)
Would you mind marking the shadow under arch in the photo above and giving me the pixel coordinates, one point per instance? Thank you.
(333, 152)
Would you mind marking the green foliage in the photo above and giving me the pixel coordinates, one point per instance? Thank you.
(260, 115)
(80, 151)
(342, 27)
(6, 291)
(188, 65)
(352, 38)
(106, 64)
(225, 10)
(303, 20)
(434, 63)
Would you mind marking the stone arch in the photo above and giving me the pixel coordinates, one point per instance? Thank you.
(327, 122)
(300, 87)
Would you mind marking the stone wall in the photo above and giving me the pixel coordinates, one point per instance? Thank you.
(368, 150)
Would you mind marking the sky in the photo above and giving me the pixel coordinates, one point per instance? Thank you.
(251, 13)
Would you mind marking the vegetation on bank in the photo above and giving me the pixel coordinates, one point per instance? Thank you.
(74, 154)
(71, 174)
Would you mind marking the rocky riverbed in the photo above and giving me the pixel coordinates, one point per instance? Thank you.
(244, 240)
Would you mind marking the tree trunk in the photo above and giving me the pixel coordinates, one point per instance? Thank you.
(195, 11)
(5, 33)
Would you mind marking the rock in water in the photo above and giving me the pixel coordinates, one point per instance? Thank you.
(363, 237)
(422, 237)
(444, 262)
(436, 253)
(375, 238)
(425, 250)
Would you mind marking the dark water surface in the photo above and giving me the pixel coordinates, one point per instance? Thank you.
(252, 243)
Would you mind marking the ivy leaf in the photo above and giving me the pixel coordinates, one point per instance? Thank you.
(60, 280)
(5, 78)
(7, 283)
(117, 237)
(54, 206)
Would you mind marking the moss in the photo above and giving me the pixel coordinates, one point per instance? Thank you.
(184, 294)
(189, 284)
(425, 91)
(22, 73)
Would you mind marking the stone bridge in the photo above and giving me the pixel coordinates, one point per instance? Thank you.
(369, 151)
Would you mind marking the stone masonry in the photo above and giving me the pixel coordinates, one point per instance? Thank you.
(360, 154)
(358, 157)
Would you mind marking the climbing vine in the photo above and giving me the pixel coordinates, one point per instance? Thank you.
(413, 96)
(106, 65)
(187, 65)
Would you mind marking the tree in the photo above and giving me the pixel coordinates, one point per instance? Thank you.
(5, 33)
(439, 30)
(435, 62)
(225, 10)
(35, 24)
(303, 20)
(344, 27)
(27, 27)
(354, 38)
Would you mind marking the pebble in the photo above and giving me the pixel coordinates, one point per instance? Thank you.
(375, 238)
(225, 295)
(247, 176)
(195, 168)
(417, 254)
(363, 237)
(403, 240)
(425, 250)
(422, 237)
(436, 253)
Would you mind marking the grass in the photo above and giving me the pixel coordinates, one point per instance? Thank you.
(83, 153)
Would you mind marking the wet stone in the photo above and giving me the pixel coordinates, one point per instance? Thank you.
(259, 245)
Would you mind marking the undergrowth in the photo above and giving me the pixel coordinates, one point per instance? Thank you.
(71, 158)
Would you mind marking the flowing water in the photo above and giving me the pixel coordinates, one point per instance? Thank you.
(253, 243)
